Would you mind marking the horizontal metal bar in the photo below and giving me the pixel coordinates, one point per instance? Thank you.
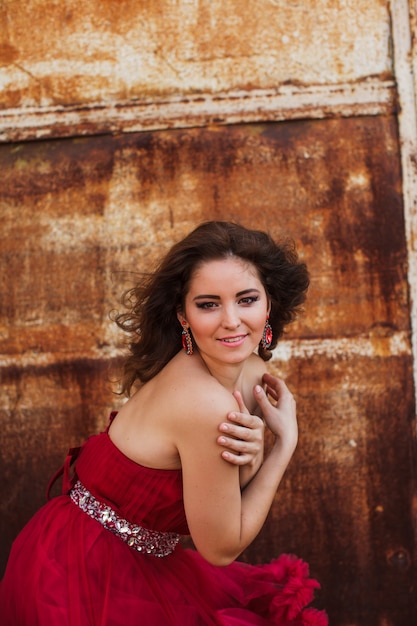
(371, 96)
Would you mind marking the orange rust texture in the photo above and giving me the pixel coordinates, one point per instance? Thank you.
(76, 52)
(345, 500)
(79, 216)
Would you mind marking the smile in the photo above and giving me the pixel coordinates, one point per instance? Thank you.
(233, 340)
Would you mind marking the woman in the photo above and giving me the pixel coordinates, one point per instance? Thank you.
(106, 552)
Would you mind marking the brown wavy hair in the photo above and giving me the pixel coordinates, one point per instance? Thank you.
(152, 305)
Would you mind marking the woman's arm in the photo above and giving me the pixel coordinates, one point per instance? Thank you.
(223, 521)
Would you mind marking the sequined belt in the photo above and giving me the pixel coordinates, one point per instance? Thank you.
(139, 538)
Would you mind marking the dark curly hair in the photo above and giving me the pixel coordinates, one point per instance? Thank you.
(152, 306)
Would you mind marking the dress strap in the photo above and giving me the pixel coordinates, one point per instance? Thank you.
(137, 537)
(111, 418)
(68, 481)
(65, 471)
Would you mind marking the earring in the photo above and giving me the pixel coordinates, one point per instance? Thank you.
(267, 335)
(187, 343)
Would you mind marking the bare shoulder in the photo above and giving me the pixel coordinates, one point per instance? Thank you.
(195, 393)
(256, 366)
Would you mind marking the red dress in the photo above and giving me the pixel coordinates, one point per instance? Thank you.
(81, 561)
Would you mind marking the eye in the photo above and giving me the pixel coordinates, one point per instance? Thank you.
(249, 300)
(206, 305)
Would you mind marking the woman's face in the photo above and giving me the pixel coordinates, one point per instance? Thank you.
(226, 308)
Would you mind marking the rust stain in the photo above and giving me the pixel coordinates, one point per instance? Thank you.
(93, 212)
(8, 54)
(80, 199)
(102, 51)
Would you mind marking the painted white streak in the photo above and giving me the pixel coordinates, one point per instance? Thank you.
(397, 344)
(372, 96)
(402, 52)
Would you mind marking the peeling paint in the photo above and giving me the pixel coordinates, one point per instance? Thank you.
(373, 96)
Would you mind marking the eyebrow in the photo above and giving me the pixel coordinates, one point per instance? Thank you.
(212, 297)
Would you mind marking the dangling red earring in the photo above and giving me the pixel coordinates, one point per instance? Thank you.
(187, 343)
(266, 340)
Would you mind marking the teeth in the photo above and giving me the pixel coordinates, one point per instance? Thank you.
(232, 340)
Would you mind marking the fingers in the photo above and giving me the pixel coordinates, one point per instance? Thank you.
(242, 436)
(240, 422)
(284, 403)
(238, 397)
(247, 429)
(276, 389)
(237, 459)
(239, 451)
(275, 386)
(278, 408)
(262, 398)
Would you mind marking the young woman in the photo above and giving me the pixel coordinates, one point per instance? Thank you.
(107, 551)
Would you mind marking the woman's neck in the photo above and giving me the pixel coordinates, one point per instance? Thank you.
(229, 375)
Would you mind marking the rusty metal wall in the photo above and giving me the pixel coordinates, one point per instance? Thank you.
(106, 51)
(79, 215)
(105, 66)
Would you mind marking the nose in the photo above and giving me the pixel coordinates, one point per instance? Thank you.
(231, 317)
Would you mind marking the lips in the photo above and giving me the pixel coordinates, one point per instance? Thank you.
(233, 341)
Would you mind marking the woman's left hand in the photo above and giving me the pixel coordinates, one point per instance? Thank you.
(243, 439)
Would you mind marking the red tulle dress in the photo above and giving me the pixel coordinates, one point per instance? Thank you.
(105, 553)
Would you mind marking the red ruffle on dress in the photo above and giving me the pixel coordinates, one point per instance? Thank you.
(90, 558)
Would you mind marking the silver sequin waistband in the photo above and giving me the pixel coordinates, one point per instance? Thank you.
(141, 539)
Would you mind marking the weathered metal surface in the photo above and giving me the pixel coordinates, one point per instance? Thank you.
(102, 51)
(94, 68)
(342, 505)
(369, 97)
(404, 35)
(93, 198)
(80, 216)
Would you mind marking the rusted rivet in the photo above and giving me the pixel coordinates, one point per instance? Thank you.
(400, 559)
